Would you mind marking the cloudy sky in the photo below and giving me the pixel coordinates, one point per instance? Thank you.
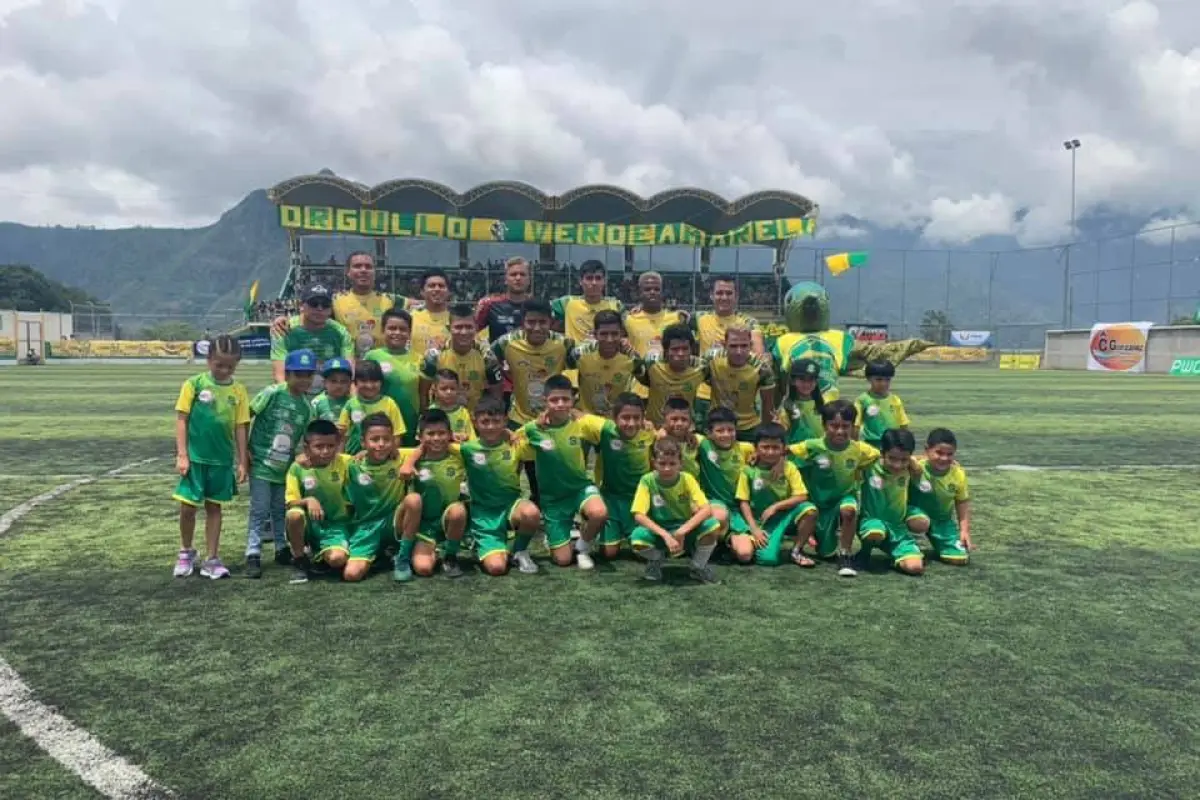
(946, 115)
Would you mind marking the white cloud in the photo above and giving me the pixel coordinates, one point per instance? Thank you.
(931, 114)
(1165, 230)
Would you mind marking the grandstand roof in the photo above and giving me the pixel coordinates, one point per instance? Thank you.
(701, 208)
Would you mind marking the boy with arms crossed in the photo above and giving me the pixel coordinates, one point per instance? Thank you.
(679, 374)
(770, 494)
(941, 492)
(375, 491)
(622, 458)
(476, 366)
(605, 365)
(742, 381)
(318, 509)
(434, 513)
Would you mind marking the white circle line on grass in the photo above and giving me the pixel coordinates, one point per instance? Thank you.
(64, 741)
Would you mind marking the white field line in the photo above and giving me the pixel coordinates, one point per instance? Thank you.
(69, 745)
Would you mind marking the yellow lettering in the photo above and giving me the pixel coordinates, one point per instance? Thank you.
(718, 240)
(641, 234)
(345, 220)
(566, 233)
(591, 233)
(666, 234)
(457, 228)
(291, 216)
(766, 230)
(743, 234)
(691, 236)
(539, 232)
(616, 235)
(431, 225)
(373, 222)
(402, 225)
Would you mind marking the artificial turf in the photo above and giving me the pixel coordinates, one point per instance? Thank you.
(1059, 664)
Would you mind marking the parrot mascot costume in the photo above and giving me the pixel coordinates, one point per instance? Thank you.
(806, 314)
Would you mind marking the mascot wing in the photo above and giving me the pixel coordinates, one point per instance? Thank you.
(895, 352)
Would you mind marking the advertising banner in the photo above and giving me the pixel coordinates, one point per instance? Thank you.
(1186, 366)
(1118, 346)
(953, 355)
(255, 346)
(1020, 360)
(970, 338)
(107, 348)
(873, 334)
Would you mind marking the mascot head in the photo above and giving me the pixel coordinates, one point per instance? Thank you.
(806, 308)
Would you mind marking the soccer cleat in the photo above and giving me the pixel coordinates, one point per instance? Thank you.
(654, 571)
(704, 574)
(401, 571)
(451, 568)
(253, 566)
(846, 566)
(214, 569)
(186, 564)
(283, 556)
(300, 569)
(525, 563)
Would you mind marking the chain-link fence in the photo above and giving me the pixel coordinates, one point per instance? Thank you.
(101, 322)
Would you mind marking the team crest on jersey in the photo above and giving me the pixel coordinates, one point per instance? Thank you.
(573, 441)
(823, 462)
(658, 501)
(364, 479)
(310, 482)
(385, 368)
(925, 486)
(876, 482)
(480, 459)
(425, 475)
(712, 456)
(546, 444)
(357, 416)
(759, 484)
(872, 411)
(616, 444)
(205, 396)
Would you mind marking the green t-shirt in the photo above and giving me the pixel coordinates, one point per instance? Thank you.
(721, 469)
(760, 488)
(376, 490)
(328, 408)
(214, 410)
(939, 495)
(879, 414)
(440, 482)
(357, 410)
(332, 340)
(280, 419)
(328, 484)
(620, 462)
(557, 455)
(670, 505)
(803, 421)
(885, 495)
(832, 474)
(401, 382)
(493, 474)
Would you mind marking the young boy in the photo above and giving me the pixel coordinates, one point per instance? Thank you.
(531, 355)
(401, 370)
(375, 491)
(941, 493)
(742, 381)
(606, 366)
(680, 375)
(622, 458)
(567, 489)
(878, 409)
(329, 403)
(281, 413)
(678, 425)
(721, 460)
(448, 397)
(475, 365)
(768, 498)
(318, 510)
(672, 516)
(886, 516)
(369, 399)
(497, 510)
(434, 513)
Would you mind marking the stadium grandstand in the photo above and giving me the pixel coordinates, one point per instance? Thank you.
(411, 225)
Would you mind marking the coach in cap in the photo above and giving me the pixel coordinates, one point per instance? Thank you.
(312, 329)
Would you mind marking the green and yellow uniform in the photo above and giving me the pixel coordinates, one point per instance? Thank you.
(430, 330)
(578, 318)
(214, 410)
(669, 506)
(709, 328)
(331, 340)
(402, 383)
(664, 382)
(601, 379)
(328, 408)
(441, 483)
(280, 419)
(375, 492)
(529, 366)
(937, 496)
(720, 471)
(564, 483)
(477, 369)
(460, 422)
(879, 414)
(644, 331)
(737, 388)
(832, 478)
(356, 410)
(761, 489)
(361, 315)
(328, 485)
(493, 491)
(801, 420)
(620, 464)
(829, 348)
(885, 510)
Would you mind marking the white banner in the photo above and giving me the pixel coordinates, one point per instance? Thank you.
(1118, 346)
(970, 338)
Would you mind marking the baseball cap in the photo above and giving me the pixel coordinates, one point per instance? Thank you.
(337, 365)
(300, 361)
(805, 368)
(318, 291)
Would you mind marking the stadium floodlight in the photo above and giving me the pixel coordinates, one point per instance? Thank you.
(1072, 146)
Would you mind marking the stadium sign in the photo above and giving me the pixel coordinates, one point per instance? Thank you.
(1186, 366)
(373, 222)
(873, 334)
(970, 338)
(1118, 347)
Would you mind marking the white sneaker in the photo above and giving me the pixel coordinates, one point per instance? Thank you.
(525, 563)
(846, 566)
(584, 560)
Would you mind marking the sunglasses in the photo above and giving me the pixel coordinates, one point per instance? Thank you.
(319, 304)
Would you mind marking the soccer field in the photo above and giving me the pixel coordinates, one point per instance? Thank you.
(1060, 664)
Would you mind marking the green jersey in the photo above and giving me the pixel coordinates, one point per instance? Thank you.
(327, 484)
(939, 495)
(802, 421)
(557, 454)
(832, 474)
(328, 408)
(760, 488)
(885, 495)
(331, 340)
(376, 490)
(620, 462)
(356, 410)
(280, 419)
(440, 482)
(214, 410)
(493, 474)
(879, 414)
(401, 382)
(721, 469)
(670, 505)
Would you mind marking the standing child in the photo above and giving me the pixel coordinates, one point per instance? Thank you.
(281, 415)
(448, 396)
(721, 460)
(606, 365)
(680, 374)
(337, 373)
(679, 425)
(472, 361)
(673, 516)
(369, 399)
(622, 458)
(375, 491)
(878, 409)
(401, 370)
(832, 467)
(800, 413)
(318, 514)
(885, 510)
(212, 418)
(941, 493)
(771, 494)
(433, 512)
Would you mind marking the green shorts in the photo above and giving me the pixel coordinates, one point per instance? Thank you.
(643, 538)
(206, 483)
(432, 530)
(368, 539)
(829, 523)
(946, 539)
(559, 515)
(325, 536)
(895, 540)
(620, 519)
(492, 528)
(737, 525)
(777, 529)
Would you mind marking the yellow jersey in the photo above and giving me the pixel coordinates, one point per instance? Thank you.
(664, 382)
(602, 379)
(430, 330)
(530, 366)
(645, 330)
(477, 369)
(361, 314)
(737, 388)
(709, 328)
(578, 316)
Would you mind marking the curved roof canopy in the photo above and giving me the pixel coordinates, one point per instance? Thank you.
(701, 208)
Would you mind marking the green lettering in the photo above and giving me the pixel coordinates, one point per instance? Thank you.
(291, 216)
(373, 222)
(318, 218)
(591, 233)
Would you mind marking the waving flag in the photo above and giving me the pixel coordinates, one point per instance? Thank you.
(840, 262)
(252, 299)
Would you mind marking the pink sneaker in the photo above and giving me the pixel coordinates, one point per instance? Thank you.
(186, 564)
(213, 568)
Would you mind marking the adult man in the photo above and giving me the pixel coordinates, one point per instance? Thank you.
(431, 322)
(475, 364)
(499, 314)
(645, 323)
(710, 327)
(575, 315)
(312, 330)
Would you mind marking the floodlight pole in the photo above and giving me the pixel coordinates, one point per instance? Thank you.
(1071, 145)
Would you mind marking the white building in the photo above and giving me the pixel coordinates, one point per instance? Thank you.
(22, 331)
